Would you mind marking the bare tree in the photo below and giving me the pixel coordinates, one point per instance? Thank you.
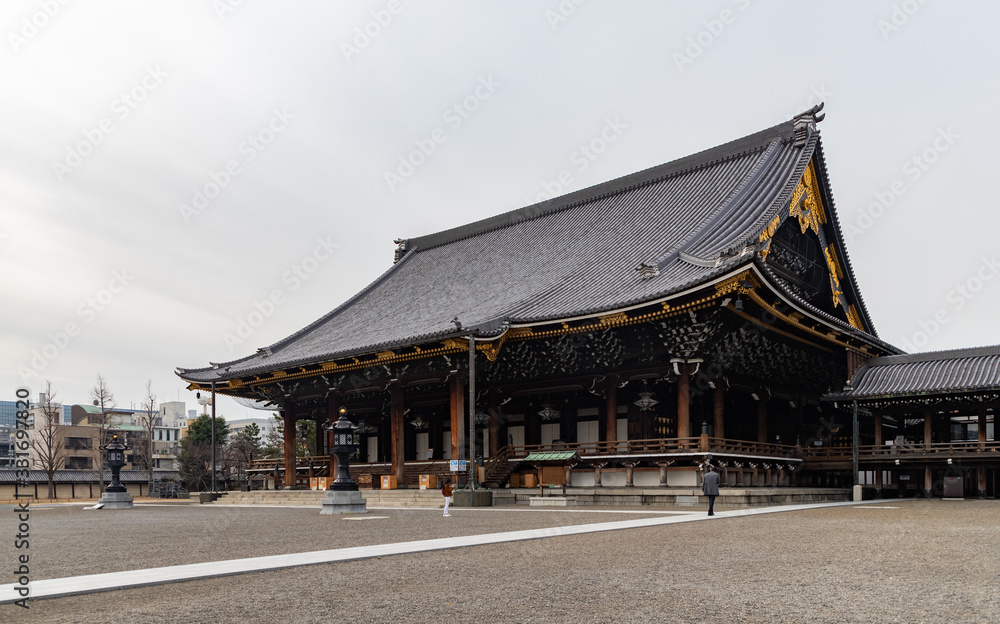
(48, 437)
(239, 452)
(104, 400)
(148, 419)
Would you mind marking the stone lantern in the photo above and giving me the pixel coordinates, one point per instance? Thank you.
(116, 496)
(343, 495)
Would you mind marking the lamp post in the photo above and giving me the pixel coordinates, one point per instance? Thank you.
(343, 495)
(344, 432)
(115, 496)
(206, 402)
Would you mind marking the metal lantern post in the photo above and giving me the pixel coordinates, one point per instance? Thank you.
(116, 461)
(344, 432)
(343, 495)
(116, 496)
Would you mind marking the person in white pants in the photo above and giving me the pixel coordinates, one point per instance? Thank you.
(446, 491)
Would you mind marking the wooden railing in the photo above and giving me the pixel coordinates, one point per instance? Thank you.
(301, 463)
(934, 450)
(700, 444)
(745, 447)
(493, 465)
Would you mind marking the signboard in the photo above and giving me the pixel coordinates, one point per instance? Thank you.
(904, 477)
(458, 465)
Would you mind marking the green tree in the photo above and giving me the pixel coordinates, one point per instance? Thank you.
(200, 430)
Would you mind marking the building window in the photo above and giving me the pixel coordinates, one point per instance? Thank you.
(79, 444)
(78, 463)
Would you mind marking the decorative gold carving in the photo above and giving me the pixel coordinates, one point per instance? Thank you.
(742, 283)
(454, 343)
(806, 204)
(492, 349)
(384, 355)
(765, 249)
(836, 275)
(519, 332)
(771, 228)
(854, 318)
(614, 319)
(765, 236)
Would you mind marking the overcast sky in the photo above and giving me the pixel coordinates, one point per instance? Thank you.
(170, 168)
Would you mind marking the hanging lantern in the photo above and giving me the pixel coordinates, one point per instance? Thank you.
(646, 401)
(419, 423)
(548, 414)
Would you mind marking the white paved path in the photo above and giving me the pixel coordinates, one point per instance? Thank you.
(69, 586)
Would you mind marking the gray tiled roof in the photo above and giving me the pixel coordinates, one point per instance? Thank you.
(920, 374)
(570, 256)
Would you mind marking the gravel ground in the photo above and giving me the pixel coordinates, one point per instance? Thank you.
(921, 561)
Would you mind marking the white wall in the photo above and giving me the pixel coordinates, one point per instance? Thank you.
(550, 432)
(587, 431)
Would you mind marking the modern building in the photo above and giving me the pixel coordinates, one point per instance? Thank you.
(628, 334)
(267, 426)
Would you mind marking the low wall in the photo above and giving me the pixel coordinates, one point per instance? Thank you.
(64, 491)
(679, 497)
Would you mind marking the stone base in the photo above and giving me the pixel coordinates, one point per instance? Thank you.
(473, 498)
(858, 493)
(343, 502)
(552, 501)
(116, 500)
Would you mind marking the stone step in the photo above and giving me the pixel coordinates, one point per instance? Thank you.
(297, 498)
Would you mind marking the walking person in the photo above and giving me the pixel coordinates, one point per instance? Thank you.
(710, 488)
(447, 490)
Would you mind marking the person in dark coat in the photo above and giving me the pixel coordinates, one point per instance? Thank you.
(710, 488)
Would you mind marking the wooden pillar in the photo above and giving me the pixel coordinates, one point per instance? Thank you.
(290, 420)
(611, 409)
(928, 482)
(878, 432)
(628, 473)
(663, 472)
(396, 429)
(719, 409)
(568, 475)
(494, 428)
(457, 390)
(684, 404)
(597, 474)
(927, 428)
(981, 469)
(762, 420)
(320, 436)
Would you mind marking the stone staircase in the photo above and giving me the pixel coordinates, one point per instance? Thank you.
(314, 498)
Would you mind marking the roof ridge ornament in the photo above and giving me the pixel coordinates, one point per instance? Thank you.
(804, 124)
(647, 271)
(401, 248)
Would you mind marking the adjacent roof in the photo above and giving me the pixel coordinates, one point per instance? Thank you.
(961, 371)
(686, 221)
(540, 456)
